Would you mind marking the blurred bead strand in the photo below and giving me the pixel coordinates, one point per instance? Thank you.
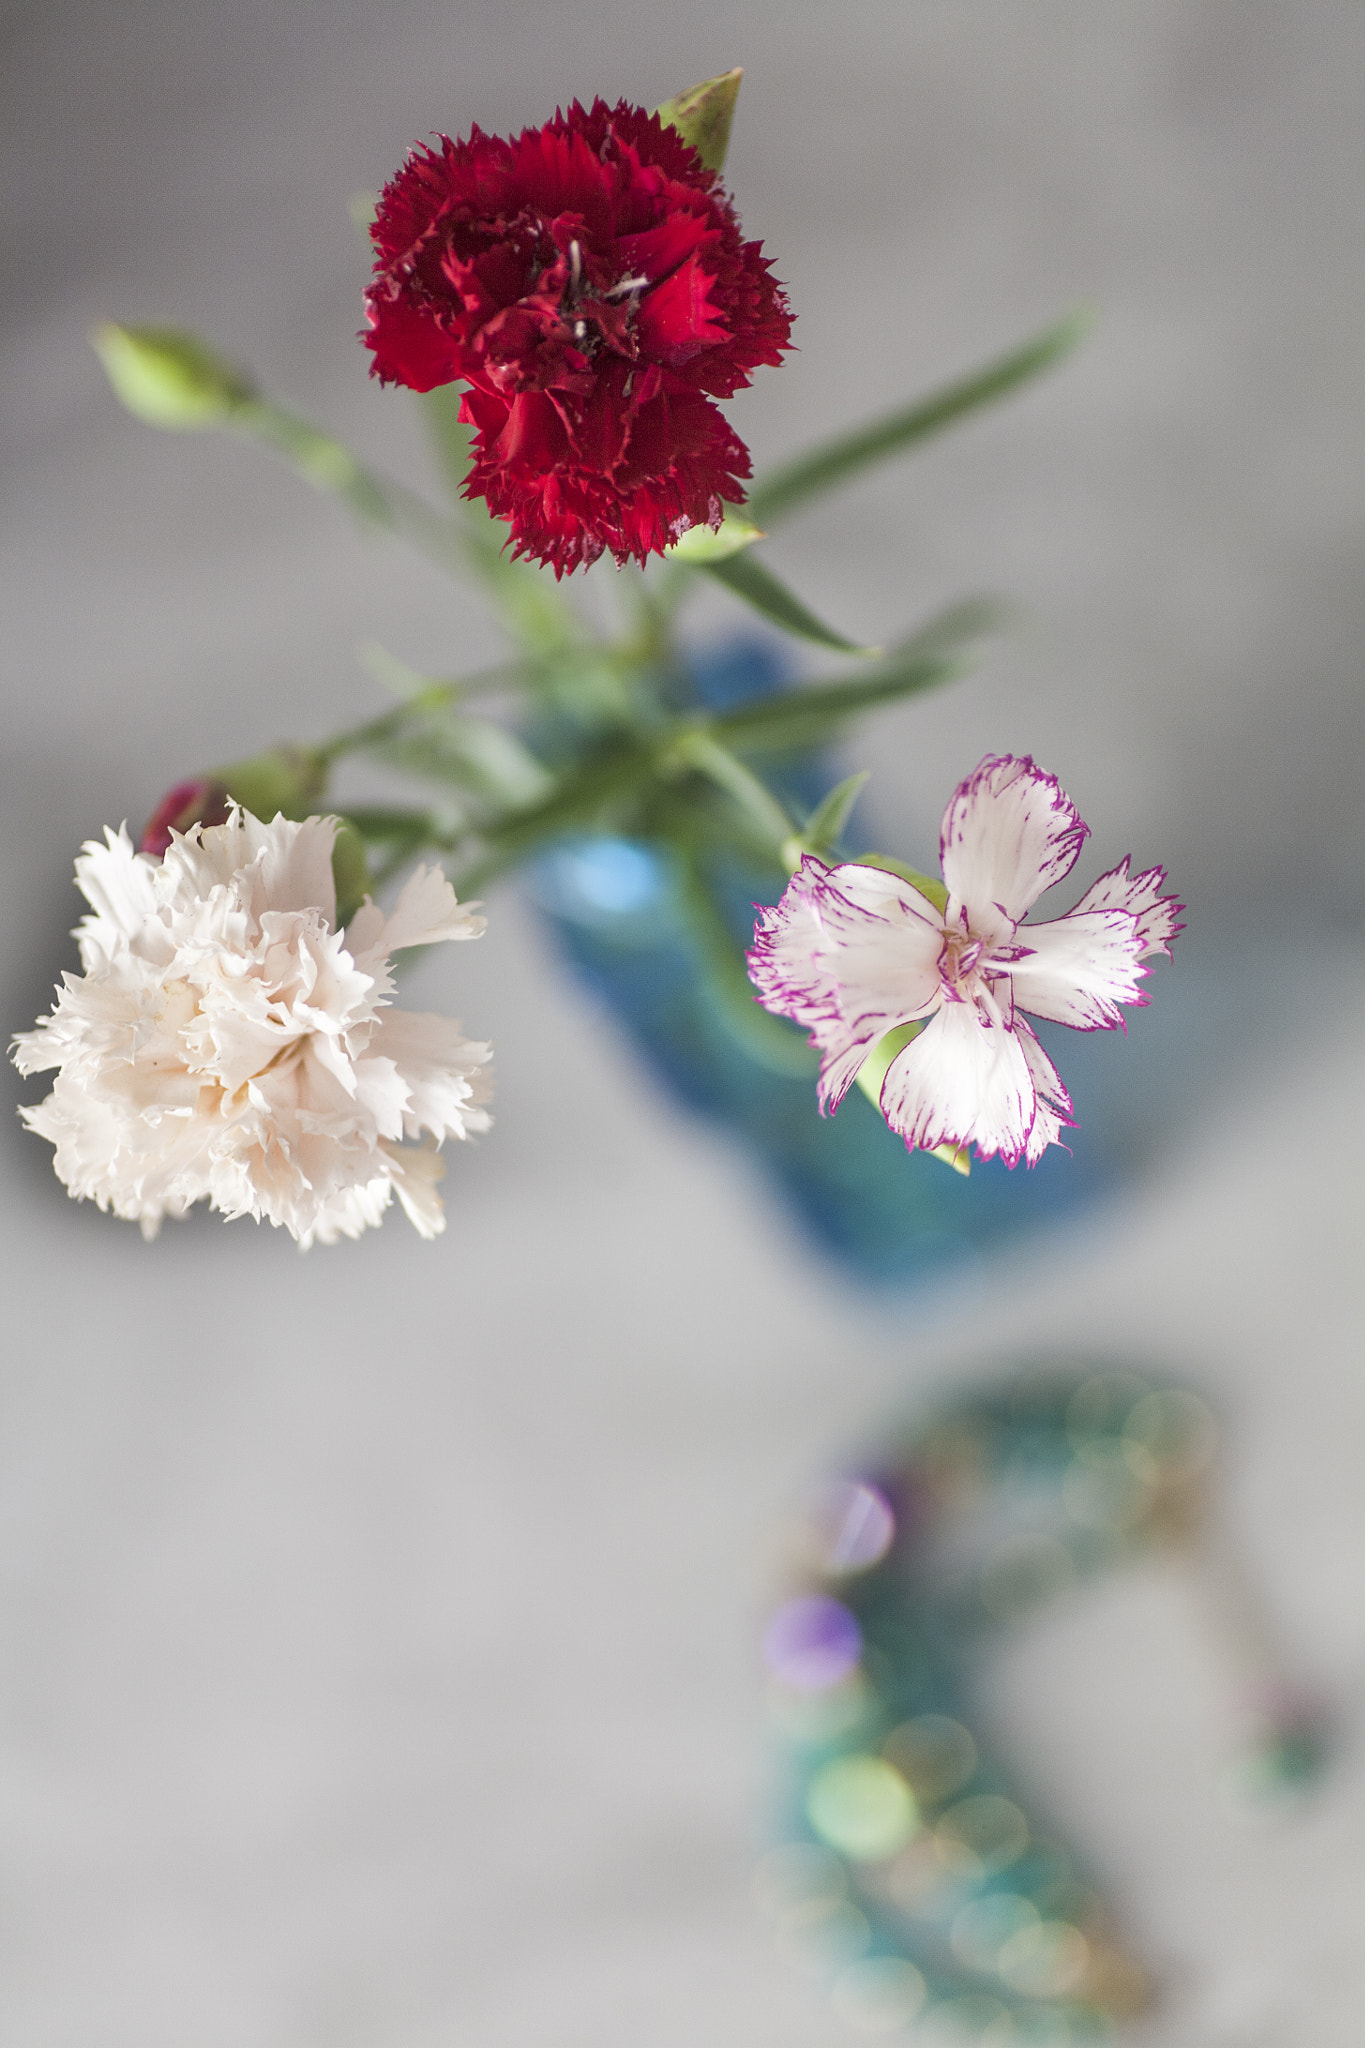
(908, 1872)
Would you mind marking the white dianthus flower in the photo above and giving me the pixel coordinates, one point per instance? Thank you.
(225, 1043)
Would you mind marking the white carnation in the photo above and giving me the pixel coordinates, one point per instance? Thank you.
(224, 1043)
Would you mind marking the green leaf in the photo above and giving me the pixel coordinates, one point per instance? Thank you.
(703, 544)
(872, 1073)
(422, 692)
(826, 467)
(699, 749)
(957, 625)
(773, 1041)
(170, 378)
(702, 115)
(757, 585)
(476, 754)
(588, 795)
(383, 822)
(926, 658)
(827, 821)
(806, 717)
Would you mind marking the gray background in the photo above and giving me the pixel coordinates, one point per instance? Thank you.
(375, 1628)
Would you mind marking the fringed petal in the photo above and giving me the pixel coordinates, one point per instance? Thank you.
(847, 970)
(1009, 832)
(1079, 968)
(963, 1080)
(1053, 1106)
(1158, 916)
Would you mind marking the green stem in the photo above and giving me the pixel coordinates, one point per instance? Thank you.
(837, 460)
(373, 733)
(329, 466)
(700, 750)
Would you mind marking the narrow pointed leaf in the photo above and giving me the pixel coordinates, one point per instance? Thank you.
(827, 821)
(385, 821)
(769, 1039)
(842, 458)
(702, 115)
(922, 661)
(805, 717)
(429, 693)
(756, 584)
(700, 750)
(586, 795)
(703, 544)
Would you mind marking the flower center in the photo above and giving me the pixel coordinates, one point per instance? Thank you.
(594, 316)
(959, 959)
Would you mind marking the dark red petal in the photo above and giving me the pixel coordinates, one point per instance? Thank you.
(534, 436)
(661, 249)
(409, 346)
(589, 282)
(677, 319)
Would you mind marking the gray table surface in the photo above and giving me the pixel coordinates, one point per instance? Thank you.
(376, 1627)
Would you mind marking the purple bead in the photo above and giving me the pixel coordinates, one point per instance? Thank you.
(812, 1643)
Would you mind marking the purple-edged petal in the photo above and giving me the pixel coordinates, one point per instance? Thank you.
(1158, 916)
(848, 953)
(1078, 969)
(1052, 1113)
(1009, 832)
(963, 1081)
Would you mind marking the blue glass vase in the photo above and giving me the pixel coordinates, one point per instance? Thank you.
(888, 1216)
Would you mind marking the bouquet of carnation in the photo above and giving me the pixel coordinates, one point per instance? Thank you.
(574, 306)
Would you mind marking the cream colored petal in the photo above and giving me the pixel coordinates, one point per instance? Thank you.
(417, 1173)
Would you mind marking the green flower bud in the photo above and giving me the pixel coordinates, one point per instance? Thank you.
(287, 779)
(350, 871)
(168, 378)
(702, 115)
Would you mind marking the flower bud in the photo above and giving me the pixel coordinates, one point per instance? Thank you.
(702, 115)
(350, 871)
(287, 780)
(201, 801)
(168, 378)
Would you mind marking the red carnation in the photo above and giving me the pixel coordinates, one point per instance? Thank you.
(589, 282)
